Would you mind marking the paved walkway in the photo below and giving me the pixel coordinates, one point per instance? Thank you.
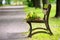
(12, 23)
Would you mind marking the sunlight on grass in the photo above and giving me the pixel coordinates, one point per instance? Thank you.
(55, 28)
(39, 12)
(53, 22)
(53, 11)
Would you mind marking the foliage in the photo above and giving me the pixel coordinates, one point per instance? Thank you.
(8, 1)
(45, 5)
(52, 1)
(29, 16)
(40, 13)
(0, 2)
(29, 3)
(32, 16)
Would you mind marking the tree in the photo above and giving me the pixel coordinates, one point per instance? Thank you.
(0, 2)
(57, 8)
(34, 3)
(8, 1)
(45, 2)
(30, 3)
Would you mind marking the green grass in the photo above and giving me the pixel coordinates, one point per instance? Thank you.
(55, 28)
(53, 22)
(39, 12)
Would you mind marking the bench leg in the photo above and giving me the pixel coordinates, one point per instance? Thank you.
(30, 34)
(47, 26)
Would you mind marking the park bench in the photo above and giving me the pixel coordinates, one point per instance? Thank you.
(44, 20)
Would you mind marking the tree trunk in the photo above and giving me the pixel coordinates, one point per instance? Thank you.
(0, 2)
(36, 3)
(57, 8)
(45, 2)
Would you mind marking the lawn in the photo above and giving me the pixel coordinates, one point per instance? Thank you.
(53, 22)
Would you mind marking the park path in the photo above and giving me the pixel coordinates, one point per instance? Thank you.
(12, 23)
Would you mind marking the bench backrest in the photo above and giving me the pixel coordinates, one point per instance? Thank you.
(46, 15)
